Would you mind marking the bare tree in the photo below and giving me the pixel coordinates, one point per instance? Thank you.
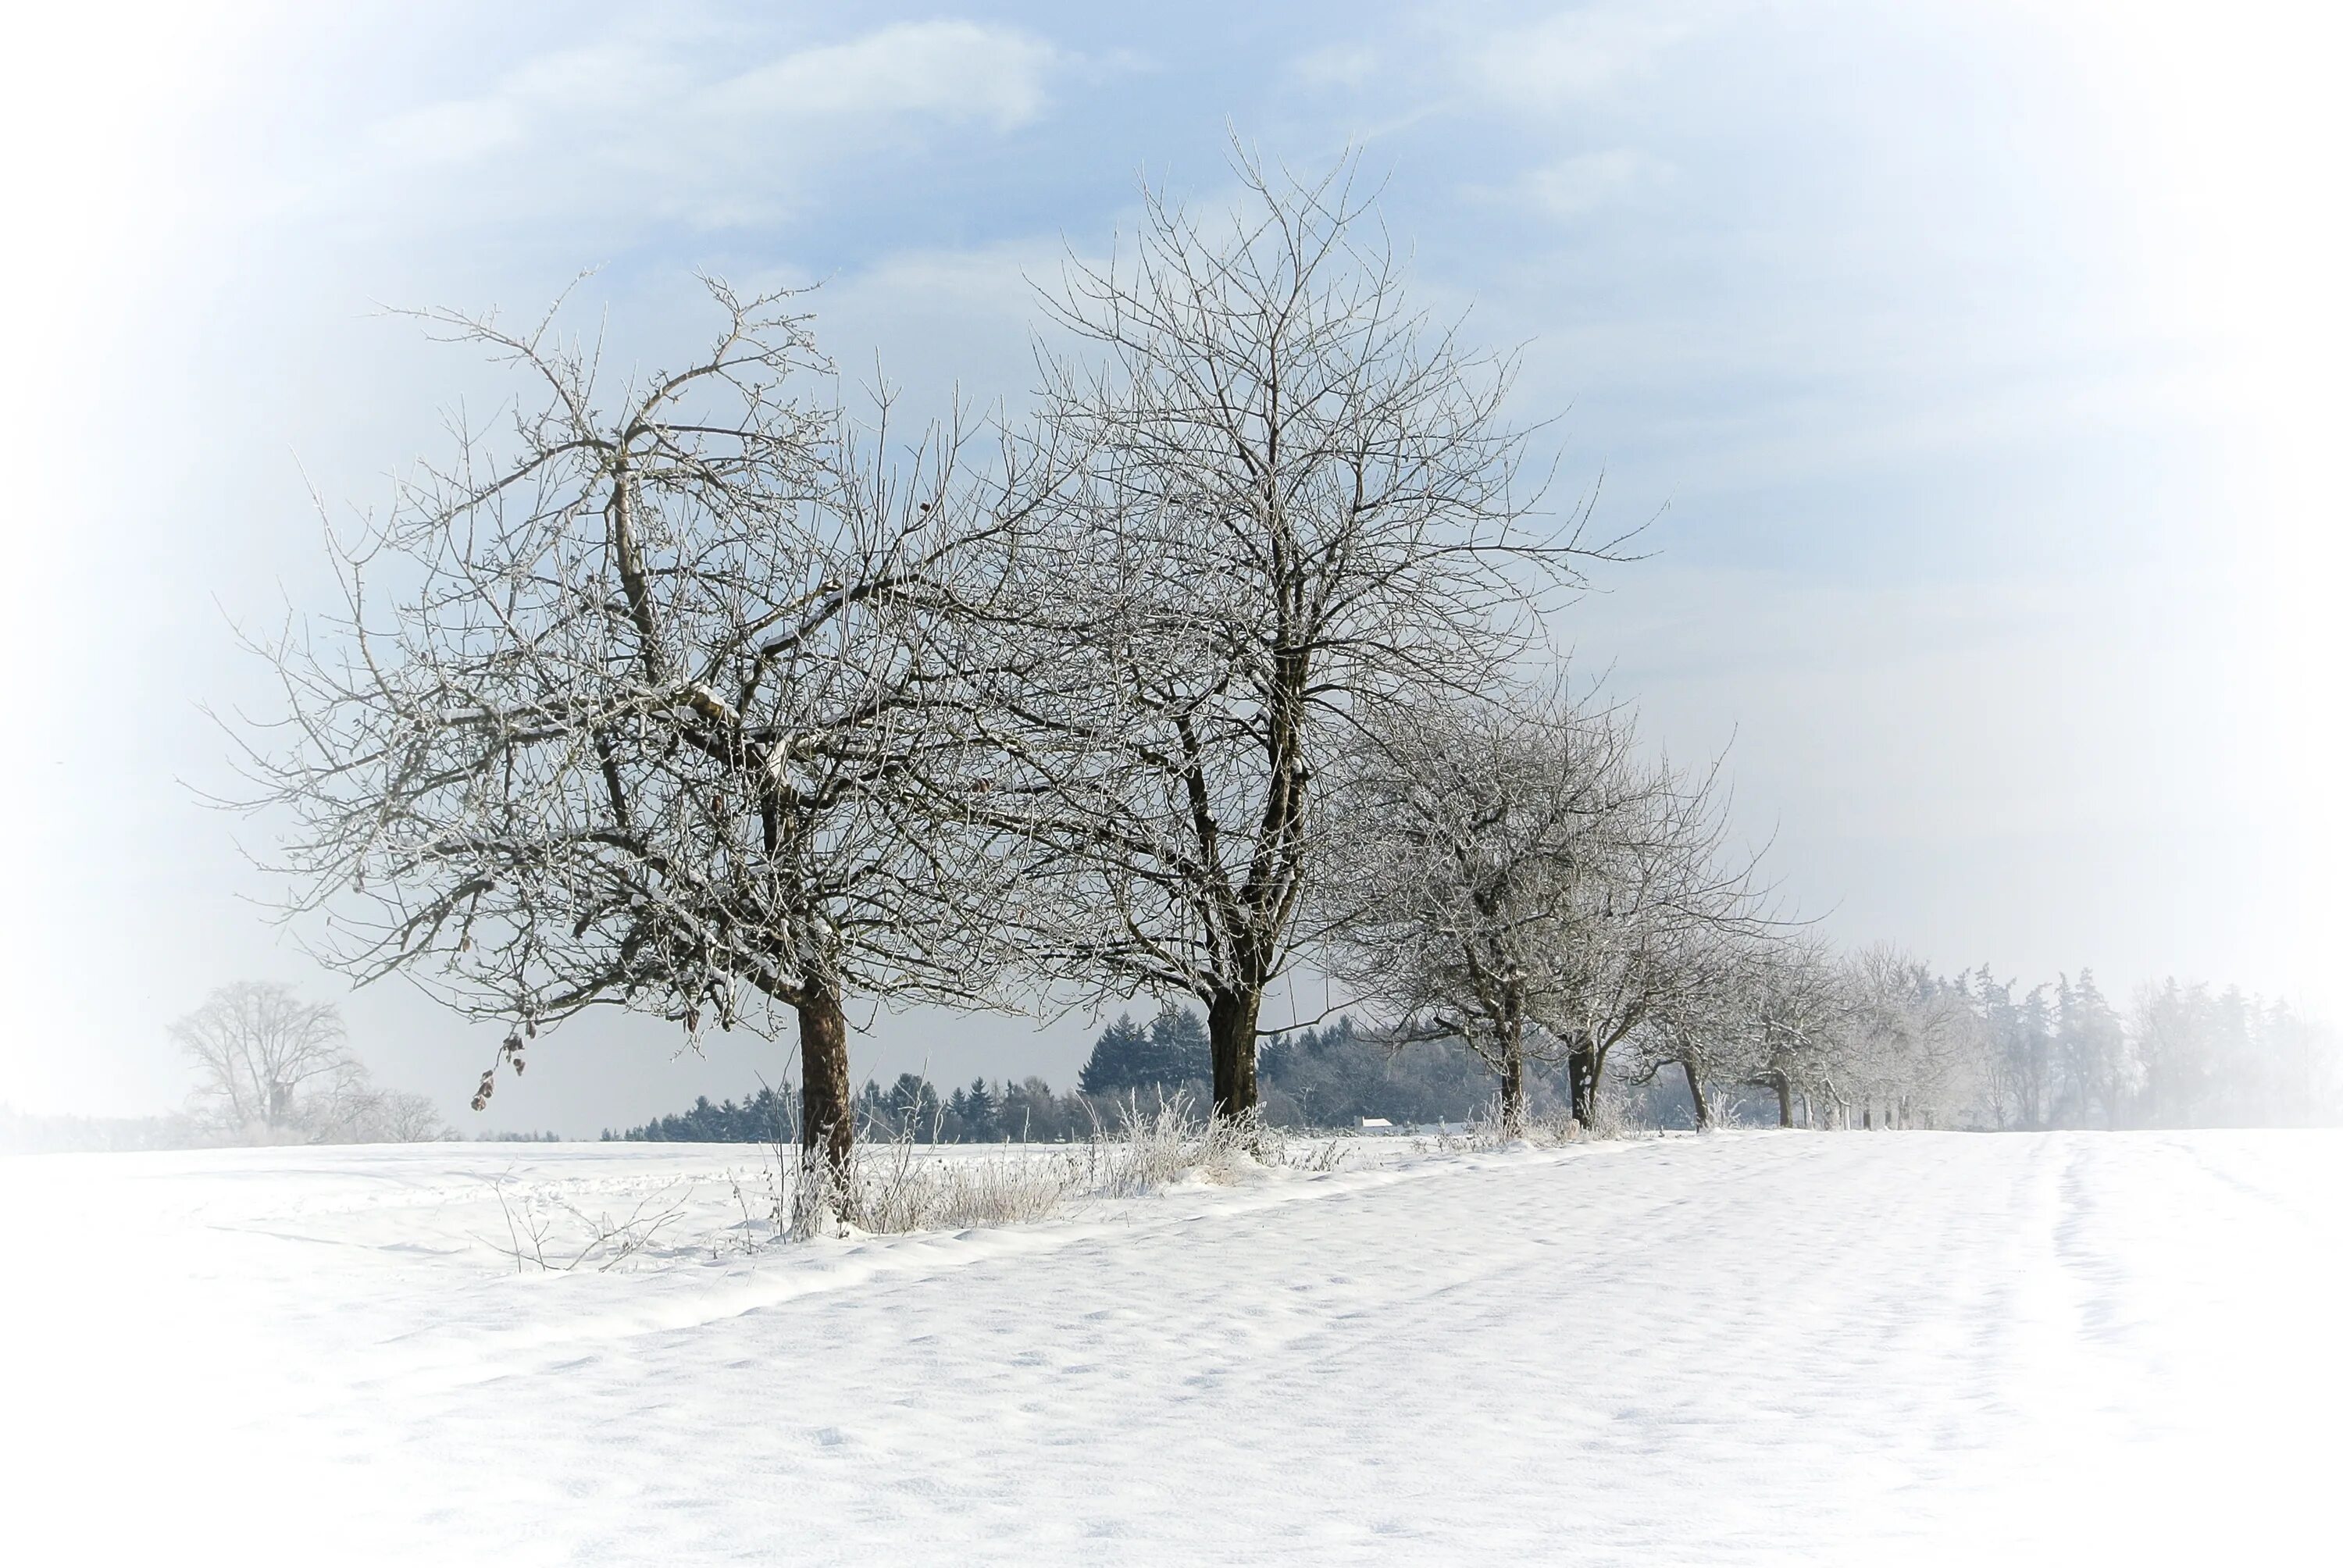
(653, 703)
(1299, 499)
(1645, 923)
(1702, 1022)
(257, 1045)
(1904, 1048)
(1462, 833)
(1799, 1017)
(346, 1106)
(403, 1118)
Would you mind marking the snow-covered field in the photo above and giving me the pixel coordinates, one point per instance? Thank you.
(1878, 1348)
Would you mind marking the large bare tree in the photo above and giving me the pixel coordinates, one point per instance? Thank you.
(256, 1046)
(1299, 498)
(655, 699)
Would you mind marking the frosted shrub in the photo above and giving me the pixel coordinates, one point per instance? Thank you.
(1147, 1151)
(903, 1186)
(1609, 1120)
(1152, 1150)
(900, 1186)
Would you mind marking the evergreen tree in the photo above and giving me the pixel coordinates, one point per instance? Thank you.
(1178, 1051)
(1118, 1061)
(982, 1115)
(2094, 1057)
(914, 1106)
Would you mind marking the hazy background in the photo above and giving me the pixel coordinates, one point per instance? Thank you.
(1981, 357)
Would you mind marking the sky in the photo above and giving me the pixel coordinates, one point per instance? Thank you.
(1971, 363)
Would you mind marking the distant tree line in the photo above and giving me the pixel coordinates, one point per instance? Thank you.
(1329, 1077)
(32, 1133)
(1874, 1040)
(767, 1116)
(1878, 1038)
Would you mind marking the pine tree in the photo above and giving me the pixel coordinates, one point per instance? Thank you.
(1117, 1062)
(982, 1114)
(1178, 1051)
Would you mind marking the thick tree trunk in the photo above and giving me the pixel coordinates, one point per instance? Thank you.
(1583, 1068)
(1699, 1100)
(828, 1084)
(1232, 1019)
(1782, 1098)
(1513, 1106)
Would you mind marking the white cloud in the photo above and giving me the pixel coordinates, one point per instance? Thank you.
(630, 121)
(455, 131)
(1337, 65)
(1590, 180)
(950, 71)
(943, 322)
(557, 91)
(1580, 54)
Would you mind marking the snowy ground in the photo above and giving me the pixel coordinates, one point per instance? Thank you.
(1878, 1348)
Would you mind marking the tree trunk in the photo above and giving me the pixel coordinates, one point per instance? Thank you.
(1582, 1070)
(1232, 1019)
(829, 1085)
(1782, 1098)
(1699, 1100)
(1512, 1108)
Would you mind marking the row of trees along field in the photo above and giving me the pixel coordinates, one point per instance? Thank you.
(699, 693)
(1895, 1045)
